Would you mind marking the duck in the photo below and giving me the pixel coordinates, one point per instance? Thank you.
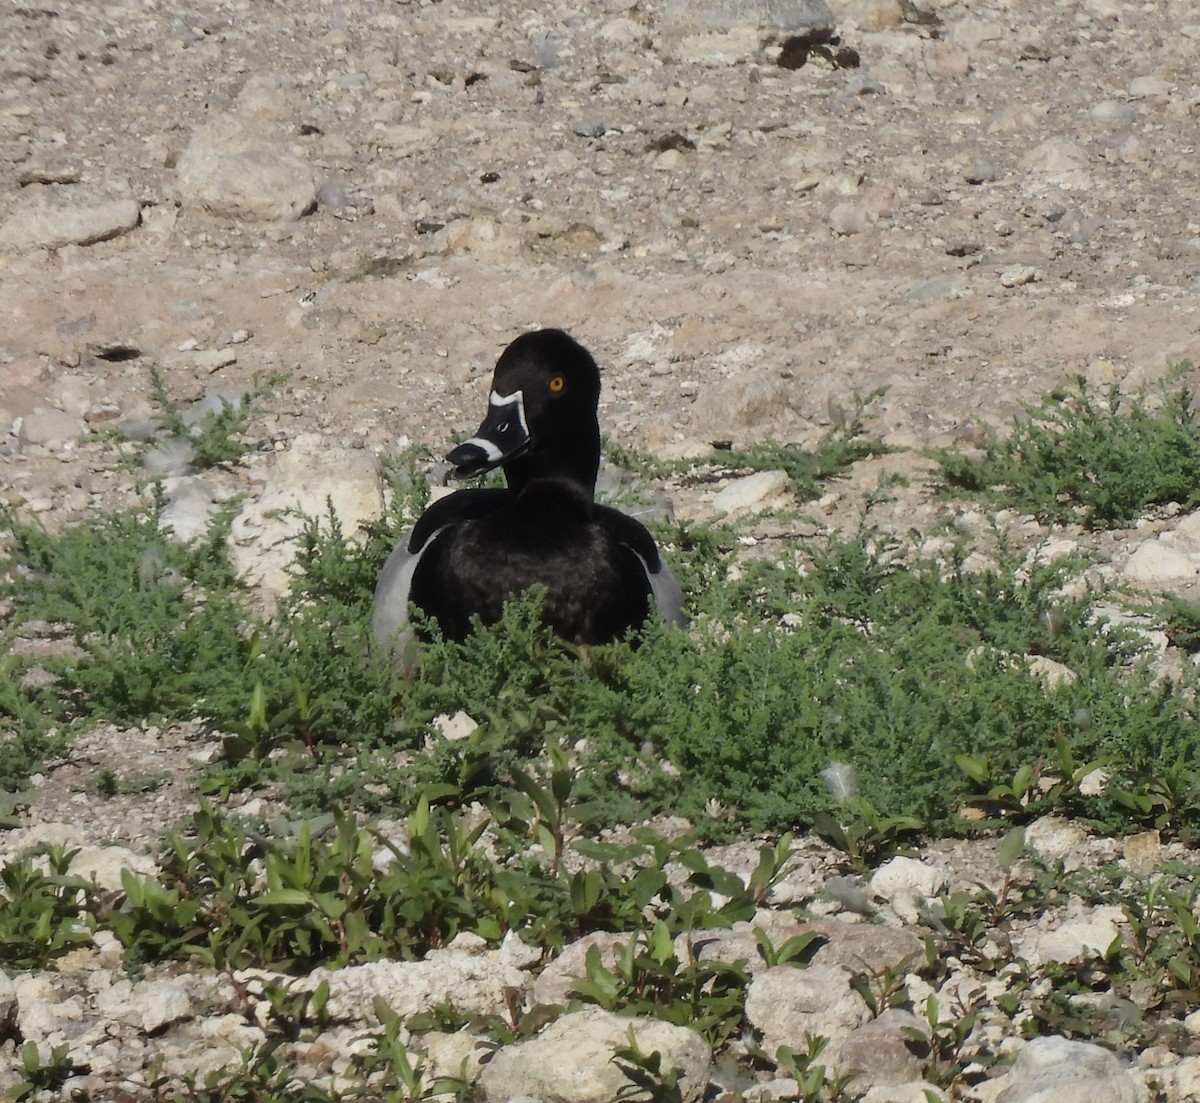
(472, 550)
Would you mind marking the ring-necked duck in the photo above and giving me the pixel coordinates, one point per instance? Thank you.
(473, 549)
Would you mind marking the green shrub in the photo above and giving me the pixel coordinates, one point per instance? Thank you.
(1103, 461)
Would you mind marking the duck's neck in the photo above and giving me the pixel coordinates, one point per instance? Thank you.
(553, 499)
(575, 460)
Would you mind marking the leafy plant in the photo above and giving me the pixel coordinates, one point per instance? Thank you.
(214, 436)
(865, 837)
(1035, 788)
(1103, 460)
(949, 1041)
(814, 1080)
(44, 908)
(648, 1080)
(648, 978)
(42, 1075)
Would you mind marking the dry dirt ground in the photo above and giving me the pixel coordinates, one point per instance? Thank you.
(1003, 194)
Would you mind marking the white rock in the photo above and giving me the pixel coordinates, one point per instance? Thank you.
(103, 865)
(972, 33)
(148, 1005)
(1112, 113)
(1060, 161)
(518, 954)
(848, 218)
(211, 360)
(54, 216)
(880, 1051)
(468, 982)
(169, 459)
(8, 1001)
(1149, 87)
(555, 983)
(455, 727)
(1056, 840)
(571, 1061)
(1018, 275)
(1181, 1082)
(48, 426)
(1187, 530)
(904, 881)
(1056, 1070)
(1155, 561)
(1087, 936)
(232, 167)
(751, 493)
(1051, 672)
(306, 478)
(36, 1001)
(710, 31)
(919, 1091)
(787, 1003)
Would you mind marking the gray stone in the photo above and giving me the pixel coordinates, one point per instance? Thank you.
(49, 426)
(104, 865)
(884, 1050)
(751, 493)
(1112, 113)
(572, 1060)
(1155, 561)
(787, 1004)
(305, 480)
(470, 983)
(148, 1005)
(848, 218)
(1057, 1070)
(53, 216)
(232, 168)
(732, 30)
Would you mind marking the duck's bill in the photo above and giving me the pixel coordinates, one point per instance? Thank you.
(502, 436)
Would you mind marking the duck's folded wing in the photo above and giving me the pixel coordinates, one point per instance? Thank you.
(664, 587)
(390, 626)
(668, 594)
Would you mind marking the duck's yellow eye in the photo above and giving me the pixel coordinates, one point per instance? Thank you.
(556, 384)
